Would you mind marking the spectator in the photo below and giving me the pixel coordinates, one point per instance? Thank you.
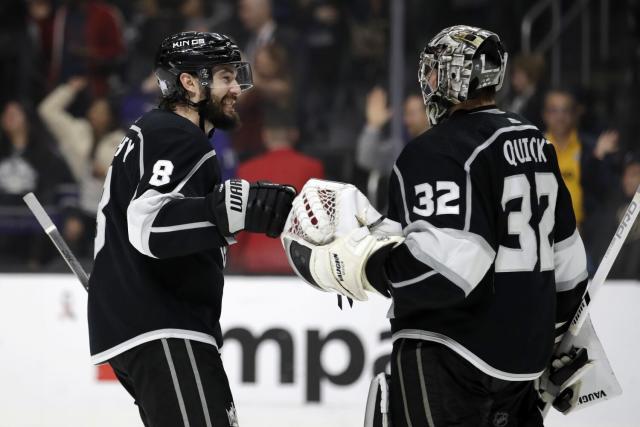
(526, 97)
(584, 160)
(88, 41)
(325, 86)
(88, 145)
(273, 91)
(28, 163)
(606, 223)
(154, 20)
(375, 152)
(256, 253)
(257, 18)
(18, 54)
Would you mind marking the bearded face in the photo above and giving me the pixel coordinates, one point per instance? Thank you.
(220, 112)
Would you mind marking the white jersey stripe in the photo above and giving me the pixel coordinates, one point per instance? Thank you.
(141, 153)
(181, 227)
(104, 356)
(418, 334)
(193, 171)
(570, 262)
(415, 280)
(404, 198)
(462, 257)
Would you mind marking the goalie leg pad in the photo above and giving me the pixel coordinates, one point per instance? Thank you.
(377, 413)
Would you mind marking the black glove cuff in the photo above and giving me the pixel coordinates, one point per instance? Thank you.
(217, 210)
(375, 270)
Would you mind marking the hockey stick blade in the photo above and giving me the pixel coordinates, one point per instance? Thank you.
(608, 259)
(52, 231)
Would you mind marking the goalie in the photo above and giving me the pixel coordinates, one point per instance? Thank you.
(480, 253)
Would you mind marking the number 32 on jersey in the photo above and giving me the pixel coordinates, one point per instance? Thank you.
(445, 202)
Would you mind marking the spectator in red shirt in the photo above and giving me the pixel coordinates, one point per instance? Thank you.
(281, 163)
(88, 40)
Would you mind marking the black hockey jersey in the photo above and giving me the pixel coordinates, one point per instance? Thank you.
(492, 263)
(158, 258)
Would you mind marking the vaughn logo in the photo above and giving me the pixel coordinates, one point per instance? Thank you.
(339, 267)
(590, 397)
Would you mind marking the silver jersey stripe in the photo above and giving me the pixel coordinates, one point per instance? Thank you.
(568, 285)
(402, 389)
(472, 157)
(491, 111)
(181, 227)
(418, 334)
(404, 198)
(104, 356)
(196, 374)
(137, 130)
(423, 386)
(176, 384)
(193, 171)
(566, 243)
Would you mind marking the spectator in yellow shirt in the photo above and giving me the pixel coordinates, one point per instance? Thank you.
(587, 172)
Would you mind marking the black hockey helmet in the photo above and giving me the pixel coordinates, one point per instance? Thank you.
(197, 53)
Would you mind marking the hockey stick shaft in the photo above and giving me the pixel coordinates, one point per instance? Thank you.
(608, 259)
(55, 236)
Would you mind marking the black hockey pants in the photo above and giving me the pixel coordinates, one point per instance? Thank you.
(432, 386)
(177, 382)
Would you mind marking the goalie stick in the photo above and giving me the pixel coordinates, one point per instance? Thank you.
(608, 259)
(572, 340)
(52, 231)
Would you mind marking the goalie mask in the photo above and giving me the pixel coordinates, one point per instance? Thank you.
(456, 64)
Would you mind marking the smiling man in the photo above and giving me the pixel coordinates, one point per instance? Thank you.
(164, 222)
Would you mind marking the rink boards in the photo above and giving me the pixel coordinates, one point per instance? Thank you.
(292, 356)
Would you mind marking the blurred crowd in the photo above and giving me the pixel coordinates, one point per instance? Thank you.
(75, 73)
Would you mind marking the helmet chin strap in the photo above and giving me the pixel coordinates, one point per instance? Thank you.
(201, 107)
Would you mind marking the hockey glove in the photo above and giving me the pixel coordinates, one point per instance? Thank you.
(260, 207)
(560, 383)
(338, 266)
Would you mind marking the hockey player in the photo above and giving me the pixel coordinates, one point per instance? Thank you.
(489, 266)
(164, 223)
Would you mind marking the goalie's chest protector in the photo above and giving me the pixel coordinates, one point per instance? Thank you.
(479, 194)
(135, 297)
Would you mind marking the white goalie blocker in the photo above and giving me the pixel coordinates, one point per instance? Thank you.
(331, 232)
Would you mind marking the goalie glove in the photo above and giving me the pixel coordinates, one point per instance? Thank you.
(327, 209)
(339, 266)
